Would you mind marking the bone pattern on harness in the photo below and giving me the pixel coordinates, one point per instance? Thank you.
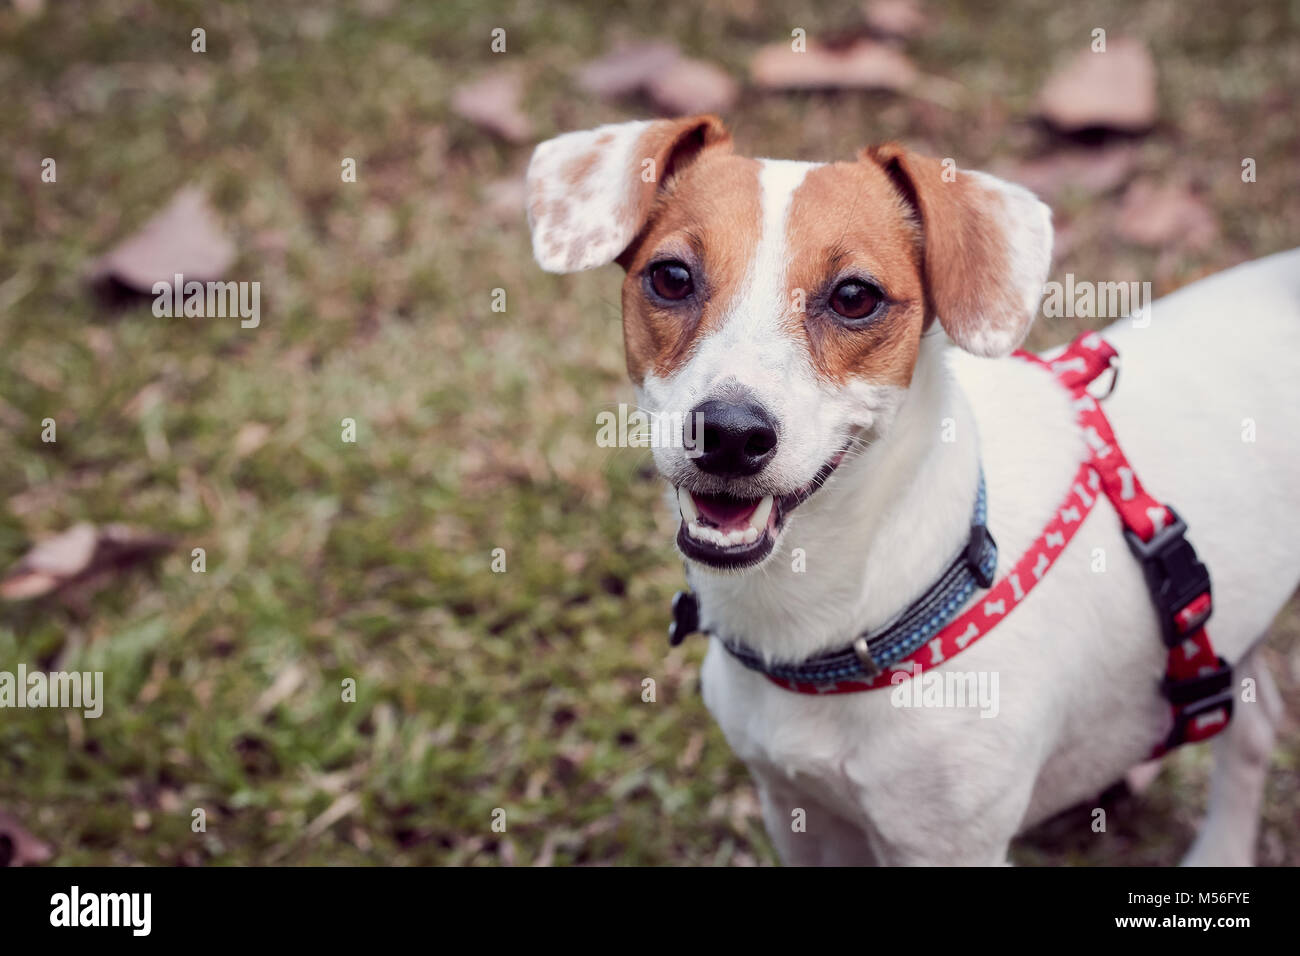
(1191, 660)
(1144, 517)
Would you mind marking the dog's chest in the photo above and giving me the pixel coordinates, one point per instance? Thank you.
(1051, 655)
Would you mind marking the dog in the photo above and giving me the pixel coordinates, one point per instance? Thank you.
(841, 330)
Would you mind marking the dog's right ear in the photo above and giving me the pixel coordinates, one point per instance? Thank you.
(589, 193)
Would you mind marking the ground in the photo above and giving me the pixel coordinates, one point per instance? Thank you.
(476, 691)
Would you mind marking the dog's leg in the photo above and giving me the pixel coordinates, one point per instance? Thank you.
(1241, 758)
(805, 832)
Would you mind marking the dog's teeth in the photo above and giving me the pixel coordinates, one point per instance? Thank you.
(755, 527)
(687, 505)
(728, 539)
(699, 532)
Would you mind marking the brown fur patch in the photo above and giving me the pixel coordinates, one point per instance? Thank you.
(966, 263)
(580, 168)
(846, 220)
(708, 215)
(670, 146)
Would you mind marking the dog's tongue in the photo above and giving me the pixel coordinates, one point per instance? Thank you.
(723, 511)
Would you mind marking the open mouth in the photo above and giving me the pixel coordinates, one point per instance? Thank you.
(725, 531)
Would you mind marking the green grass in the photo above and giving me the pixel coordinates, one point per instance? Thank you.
(371, 561)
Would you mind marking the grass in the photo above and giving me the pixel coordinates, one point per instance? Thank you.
(476, 691)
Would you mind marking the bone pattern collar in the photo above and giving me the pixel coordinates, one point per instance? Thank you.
(868, 654)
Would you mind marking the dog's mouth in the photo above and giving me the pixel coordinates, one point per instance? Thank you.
(729, 532)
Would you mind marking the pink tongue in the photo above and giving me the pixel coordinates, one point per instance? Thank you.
(725, 512)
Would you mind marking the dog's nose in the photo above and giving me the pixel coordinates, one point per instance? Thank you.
(734, 439)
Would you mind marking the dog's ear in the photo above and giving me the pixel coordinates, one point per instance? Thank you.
(987, 246)
(589, 193)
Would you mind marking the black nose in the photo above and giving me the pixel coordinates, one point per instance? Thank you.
(731, 440)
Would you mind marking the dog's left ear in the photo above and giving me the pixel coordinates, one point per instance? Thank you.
(987, 246)
(589, 192)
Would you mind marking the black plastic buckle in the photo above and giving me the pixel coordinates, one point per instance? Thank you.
(1189, 690)
(1175, 577)
(686, 617)
(980, 539)
(1195, 696)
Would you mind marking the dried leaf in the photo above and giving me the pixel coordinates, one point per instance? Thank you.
(492, 104)
(693, 86)
(1093, 171)
(77, 555)
(1156, 214)
(17, 846)
(894, 18)
(1114, 89)
(185, 238)
(627, 69)
(861, 65)
(51, 562)
(675, 84)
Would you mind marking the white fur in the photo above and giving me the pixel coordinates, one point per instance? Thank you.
(597, 223)
(1027, 224)
(1079, 659)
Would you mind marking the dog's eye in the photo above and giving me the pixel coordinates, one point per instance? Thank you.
(854, 299)
(672, 280)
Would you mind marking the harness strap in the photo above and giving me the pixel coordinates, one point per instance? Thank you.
(1197, 683)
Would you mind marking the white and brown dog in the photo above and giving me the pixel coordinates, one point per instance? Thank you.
(805, 310)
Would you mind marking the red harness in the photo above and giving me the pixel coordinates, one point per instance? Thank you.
(1197, 682)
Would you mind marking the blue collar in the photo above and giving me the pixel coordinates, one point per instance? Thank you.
(867, 655)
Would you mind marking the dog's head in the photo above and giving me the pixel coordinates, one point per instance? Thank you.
(776, 308)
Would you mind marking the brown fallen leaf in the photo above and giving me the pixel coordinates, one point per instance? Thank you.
(1092, 171)
(902, 19)
(17, 846)
(674, 83)
(1158, 214)
(76, 556)
(185, 238)
(860, 65)
(492, 104)
(693, 86)
(627, 69)
(1115, 89)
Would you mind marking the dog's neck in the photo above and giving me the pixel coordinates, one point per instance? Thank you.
(871, 540)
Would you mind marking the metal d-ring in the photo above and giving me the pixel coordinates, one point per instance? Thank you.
(863, 653)
(1113, 365)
